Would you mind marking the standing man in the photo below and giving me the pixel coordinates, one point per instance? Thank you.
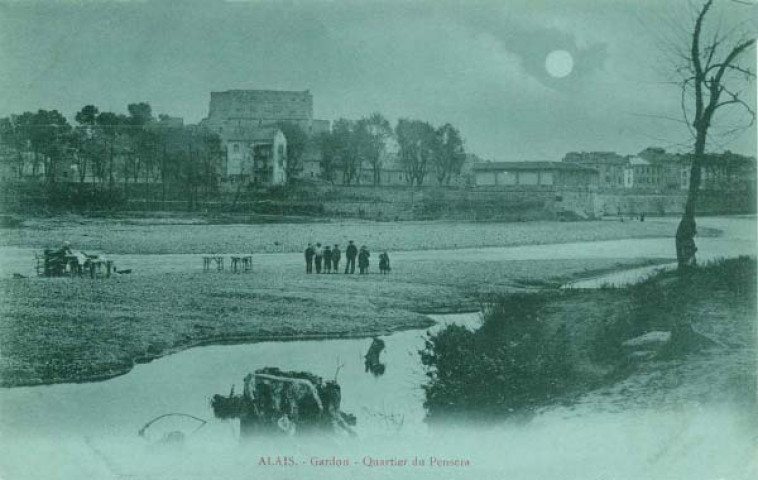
(350, 253)
(327, 259)
(336, 255)
(309, 252)
(363, 259)
(318, 255)
(384, 263)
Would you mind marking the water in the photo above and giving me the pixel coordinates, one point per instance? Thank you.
(739, 238)
(185, 382)
(75, 431)
(90, 430)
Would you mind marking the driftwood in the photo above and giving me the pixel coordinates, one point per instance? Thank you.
(174, 436)
(278, 402)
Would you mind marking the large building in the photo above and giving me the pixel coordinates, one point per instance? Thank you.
(246, 122)
(659, 169)
(257, 156)
(609, 165)
(534, 174)
(261, 108)
(644, 174)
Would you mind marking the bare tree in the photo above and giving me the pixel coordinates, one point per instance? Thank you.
(711, 74)
(373, 133)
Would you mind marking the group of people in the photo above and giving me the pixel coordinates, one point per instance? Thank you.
(327, 259)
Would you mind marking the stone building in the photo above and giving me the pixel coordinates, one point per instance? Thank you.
(246, 120)
(234, 109)
(670, 166)
(257, 156)
(534, 175)
(722, 172)
(719, 172)
(609, 165)
(641, 173)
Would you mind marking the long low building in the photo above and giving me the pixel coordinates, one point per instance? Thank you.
(534, 174)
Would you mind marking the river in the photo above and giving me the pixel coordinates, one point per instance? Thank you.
(738, 238)
(74, 431)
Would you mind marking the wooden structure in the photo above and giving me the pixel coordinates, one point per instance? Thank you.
(60, 263)
(208, 260)
(242, 264)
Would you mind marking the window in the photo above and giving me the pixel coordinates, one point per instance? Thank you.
(236, 148)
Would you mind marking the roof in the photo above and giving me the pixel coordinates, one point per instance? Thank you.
(531, 166)
(606, 158)
(250, 135)
(255, 91)
(634, 161)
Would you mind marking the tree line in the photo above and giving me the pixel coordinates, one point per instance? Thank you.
(422, 150)
(110, 149)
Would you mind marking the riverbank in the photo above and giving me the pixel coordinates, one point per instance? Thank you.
(72, 330)
(68, 330)
(663, 342)
(161, 236)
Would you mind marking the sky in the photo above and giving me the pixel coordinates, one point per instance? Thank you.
(479, 65)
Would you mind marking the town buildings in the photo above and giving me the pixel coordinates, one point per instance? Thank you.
(610, 166)
(654, 170)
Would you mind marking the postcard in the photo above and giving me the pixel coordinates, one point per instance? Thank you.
(492, 239)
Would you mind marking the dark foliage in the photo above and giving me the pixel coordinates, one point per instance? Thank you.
(512, 363)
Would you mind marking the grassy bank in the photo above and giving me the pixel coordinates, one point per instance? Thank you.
(537, 349)
(62, 329)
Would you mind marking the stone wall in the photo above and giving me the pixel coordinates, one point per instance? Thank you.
(709, 202)
(382, 203)
(262, 104)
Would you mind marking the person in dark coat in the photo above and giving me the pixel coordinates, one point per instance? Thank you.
(309, 253)
(384, 263)
(363, 263)
(318, 256)
(336, 255)
(350, 253)
(372, 359)
(327, 259)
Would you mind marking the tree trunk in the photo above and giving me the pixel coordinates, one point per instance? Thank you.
(111, 178)
(685, 233)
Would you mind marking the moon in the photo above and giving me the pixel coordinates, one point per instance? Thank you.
(559, 63)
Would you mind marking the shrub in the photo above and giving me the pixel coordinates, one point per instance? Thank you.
(510, 364)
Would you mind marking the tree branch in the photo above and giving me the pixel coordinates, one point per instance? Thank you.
(749, 73)
(684, 107)
(735, 99)
(727, 63)
(695, 55)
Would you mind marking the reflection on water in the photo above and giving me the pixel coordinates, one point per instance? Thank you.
(91, 430)
(185, 382)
